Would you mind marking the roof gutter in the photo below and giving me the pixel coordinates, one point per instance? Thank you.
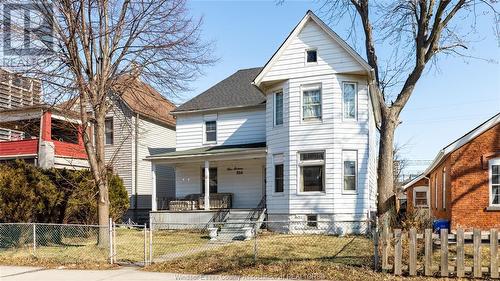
(256, 151)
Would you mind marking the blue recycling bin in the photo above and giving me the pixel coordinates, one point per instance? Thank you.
(439, 224)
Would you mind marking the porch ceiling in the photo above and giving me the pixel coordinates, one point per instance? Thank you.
(220, 152)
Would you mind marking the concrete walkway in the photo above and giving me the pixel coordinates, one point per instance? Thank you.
(18, 273)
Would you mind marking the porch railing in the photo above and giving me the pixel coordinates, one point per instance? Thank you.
(197, 202)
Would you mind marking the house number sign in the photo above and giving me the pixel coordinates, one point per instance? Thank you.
(239, 171)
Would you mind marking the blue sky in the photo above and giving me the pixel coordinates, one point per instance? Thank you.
(445, 105)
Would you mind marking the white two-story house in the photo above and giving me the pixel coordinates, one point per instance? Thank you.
(295, 139)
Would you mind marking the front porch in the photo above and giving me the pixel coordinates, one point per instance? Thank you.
(213, 178)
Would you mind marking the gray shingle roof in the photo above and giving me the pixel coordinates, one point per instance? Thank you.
(234, 91)
(210, 150)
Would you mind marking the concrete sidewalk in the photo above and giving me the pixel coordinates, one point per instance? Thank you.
(18, 273)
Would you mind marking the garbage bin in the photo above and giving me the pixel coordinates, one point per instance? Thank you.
(439, 224)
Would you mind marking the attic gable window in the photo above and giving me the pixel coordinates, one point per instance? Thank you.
(312, 55)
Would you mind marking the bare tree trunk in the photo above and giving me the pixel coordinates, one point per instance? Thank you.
(385, 181)
(101, 177)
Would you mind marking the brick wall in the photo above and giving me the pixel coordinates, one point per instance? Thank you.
(469, 191)
(409, 192)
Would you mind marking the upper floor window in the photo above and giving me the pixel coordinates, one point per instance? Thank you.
(350, 166)
(108, 131)
(210, 131)
(311, 103)
(312, 169)
(494, 170)
(278, 108)
(312, 55)
(349, 100)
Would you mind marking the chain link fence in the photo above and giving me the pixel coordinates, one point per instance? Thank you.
(214, 246)
(52, 242)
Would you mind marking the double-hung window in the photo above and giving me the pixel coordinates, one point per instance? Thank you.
(350, 170)
(278, 108)
(108, 131)
(210, 131)
(311, 103)
(494, 171)
(420, 198)
(349, 100)
(312, 171)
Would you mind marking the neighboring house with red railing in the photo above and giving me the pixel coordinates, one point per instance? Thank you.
(42, 135)
(138, 124)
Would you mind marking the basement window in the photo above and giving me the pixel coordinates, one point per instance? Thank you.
(312, 220)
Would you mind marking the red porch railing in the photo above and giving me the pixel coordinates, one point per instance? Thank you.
(67, 149)
(19, 147)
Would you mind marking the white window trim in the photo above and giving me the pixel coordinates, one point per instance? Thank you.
(306, 63)
(444, 188)
(491, 162)
(422, 188)
(275, 162)
(208, 119)
(274, 107)
(310, 163)
(350, 192)
(355, 119)
(308, 87)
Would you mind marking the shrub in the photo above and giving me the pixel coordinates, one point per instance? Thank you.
(31, 194)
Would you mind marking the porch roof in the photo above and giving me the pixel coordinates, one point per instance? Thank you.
(238, 151)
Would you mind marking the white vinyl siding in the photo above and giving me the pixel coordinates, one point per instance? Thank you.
(331, 57)
(120, 154)
(237, 126)
(277, 141)
(154, 138)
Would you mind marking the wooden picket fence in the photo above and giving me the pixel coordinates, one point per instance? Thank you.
(430, 254)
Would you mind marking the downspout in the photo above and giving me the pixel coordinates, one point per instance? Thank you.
(136, 164)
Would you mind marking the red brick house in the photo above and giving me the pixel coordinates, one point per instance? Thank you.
(463, 182)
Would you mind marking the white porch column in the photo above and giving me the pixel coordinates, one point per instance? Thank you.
(207, 185)
(153, 187)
